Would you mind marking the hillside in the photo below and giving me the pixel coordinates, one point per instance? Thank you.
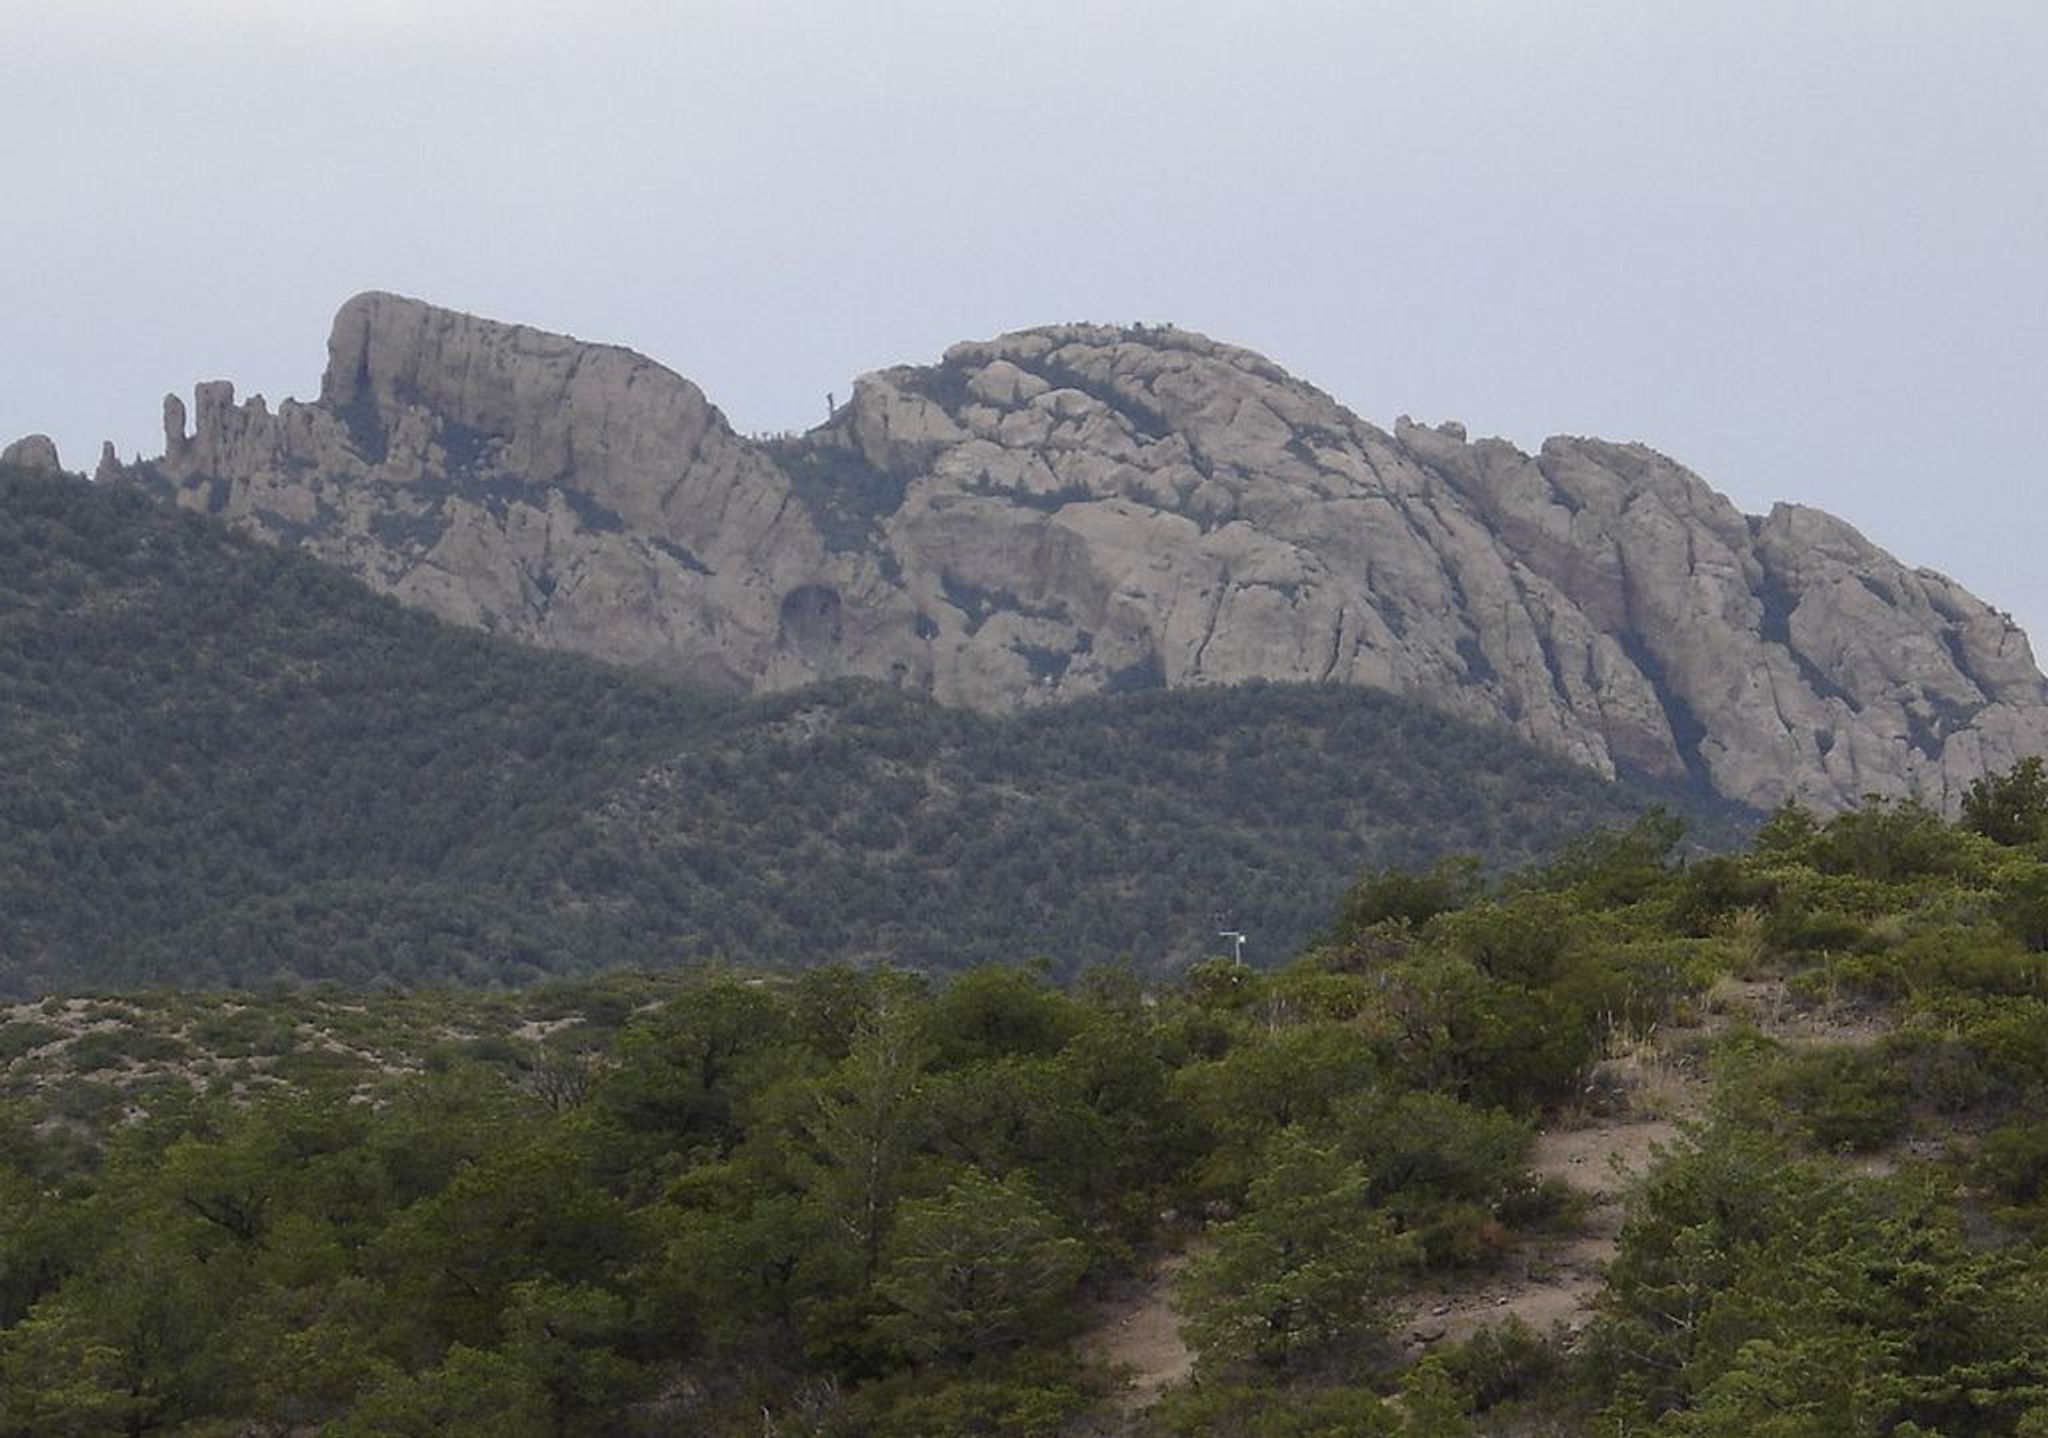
(222, 762)
(1083, 509)
(1747, 1145)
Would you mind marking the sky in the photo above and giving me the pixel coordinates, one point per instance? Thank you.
(1800, 247)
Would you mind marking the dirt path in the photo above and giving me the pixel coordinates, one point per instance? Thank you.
(1546, 1282)
(1140, 1333)
(1550, 1281)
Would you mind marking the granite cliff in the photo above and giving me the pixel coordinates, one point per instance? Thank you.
(1083, 508)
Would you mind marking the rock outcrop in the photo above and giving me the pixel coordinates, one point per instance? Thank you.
(33, 451)
(1084, 509)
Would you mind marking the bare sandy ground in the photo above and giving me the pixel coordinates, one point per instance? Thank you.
(1141, 1335)
(1549, 1282)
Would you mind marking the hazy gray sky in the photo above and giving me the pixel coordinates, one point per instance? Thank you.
(1801, 246)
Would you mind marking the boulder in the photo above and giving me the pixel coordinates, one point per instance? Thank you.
(33, 451)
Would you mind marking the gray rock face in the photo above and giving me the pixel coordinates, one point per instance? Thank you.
(33, 451)
(1082, 509)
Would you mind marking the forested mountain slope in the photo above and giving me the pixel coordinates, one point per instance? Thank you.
(221, 761)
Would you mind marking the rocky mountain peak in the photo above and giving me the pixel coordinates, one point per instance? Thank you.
(1084, 508)
(33, 451)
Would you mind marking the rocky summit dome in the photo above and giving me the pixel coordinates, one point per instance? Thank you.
(1082, 509)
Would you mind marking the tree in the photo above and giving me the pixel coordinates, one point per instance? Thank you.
(857, 1128)
(984, 1265)
(995, 1011)
(528, 1211)
(474, 1393)
(565, 1338)
(1404, 897)
(684, 1072)
(1425, 1150)
(1263, 1086)
(1757, 1292)
(1484, 1040)
(1430, 1403)
(1612, 867)
(1303, 1276)
(139, 1342)
(1893, 841)
(2010, 808)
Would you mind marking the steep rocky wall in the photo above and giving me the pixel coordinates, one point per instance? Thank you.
(1080, 509)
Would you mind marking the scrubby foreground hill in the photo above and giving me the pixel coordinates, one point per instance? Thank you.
(1081, 510)
(223, 762)
(844, 1204)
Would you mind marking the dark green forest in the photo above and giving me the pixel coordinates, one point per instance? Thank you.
(222, 763)
(857, 1203)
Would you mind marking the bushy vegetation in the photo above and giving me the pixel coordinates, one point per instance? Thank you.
(224, 763)
(887, 1200)
(843, 1198)
(853, 1202)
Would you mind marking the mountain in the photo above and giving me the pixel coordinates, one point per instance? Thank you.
(1084, 510)
(223, 762)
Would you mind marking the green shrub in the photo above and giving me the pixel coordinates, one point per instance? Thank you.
(1713, 889)
(1460, 1235)
(1979, 960)
(23, 1036)
(1942, 1070)
(1305, 1276)
(1890, 841)
(85, 1101)
(1503, 1363)
(2012, 1162)
(1407, 899)
(1545, 1202)
(1796, 929)
(2023, 910)
(1016, 1398)
(245, 1032)
(320, 1065)
(1226, 1410)
(1523, 941)
(1843, 1097)
(2009, 1037)
(1881, 976)
(2010, 808)
(499, 1050)
(1424, 1150)
(97, 1050)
